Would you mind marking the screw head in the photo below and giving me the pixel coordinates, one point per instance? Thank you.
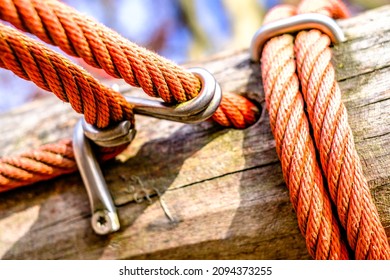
(104, 222)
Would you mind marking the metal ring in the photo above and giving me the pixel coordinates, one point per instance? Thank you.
(196, 110)
(205, 114)
(193, 111)
(294, 24)
(112, 136)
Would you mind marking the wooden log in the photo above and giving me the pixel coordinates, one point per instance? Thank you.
(196, 191)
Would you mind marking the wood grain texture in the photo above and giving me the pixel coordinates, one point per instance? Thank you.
(196, 191)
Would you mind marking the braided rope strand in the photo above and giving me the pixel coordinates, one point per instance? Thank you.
(77, 35)
(101, 105)
(341, 164)
(33, 61)
(334, 139)
(80, 36)
(41, 164)
(44, 163)
(235, 111)
(295, 147)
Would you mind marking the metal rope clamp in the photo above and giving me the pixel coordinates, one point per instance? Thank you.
(294, 24)
(105, 218)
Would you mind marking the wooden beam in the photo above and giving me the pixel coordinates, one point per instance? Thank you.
(196, 191)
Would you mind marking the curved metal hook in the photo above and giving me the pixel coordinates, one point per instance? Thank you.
(195, 110)
(294, 24)
(112, 136)
(104, 216)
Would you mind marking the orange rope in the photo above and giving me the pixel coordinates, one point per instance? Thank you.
(333, 138)
(339, 159)
(295, 146)
(33, 61)
(60, 25)
(46, 162)
(80, 36)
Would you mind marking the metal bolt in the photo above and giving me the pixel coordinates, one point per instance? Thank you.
(104, 222)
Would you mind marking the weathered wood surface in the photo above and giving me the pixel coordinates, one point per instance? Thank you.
(221, 191)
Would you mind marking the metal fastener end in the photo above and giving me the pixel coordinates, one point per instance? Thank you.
(104, 215)
(104, 222)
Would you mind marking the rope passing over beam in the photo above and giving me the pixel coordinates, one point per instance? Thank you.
(319, 104)
(295, 147)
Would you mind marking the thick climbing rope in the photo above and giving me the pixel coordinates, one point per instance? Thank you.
(60, 25)
(33, 61)
(295, 147)
(339, 161)
(334, 139)
(46, 162)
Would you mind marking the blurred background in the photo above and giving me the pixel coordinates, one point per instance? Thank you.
(181, 30)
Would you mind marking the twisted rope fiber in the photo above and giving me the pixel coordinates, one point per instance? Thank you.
(80, 36)
(295, 147)
(101, 105)
(44, 163)
(334, 139)
(60, 25)
(33, 61)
